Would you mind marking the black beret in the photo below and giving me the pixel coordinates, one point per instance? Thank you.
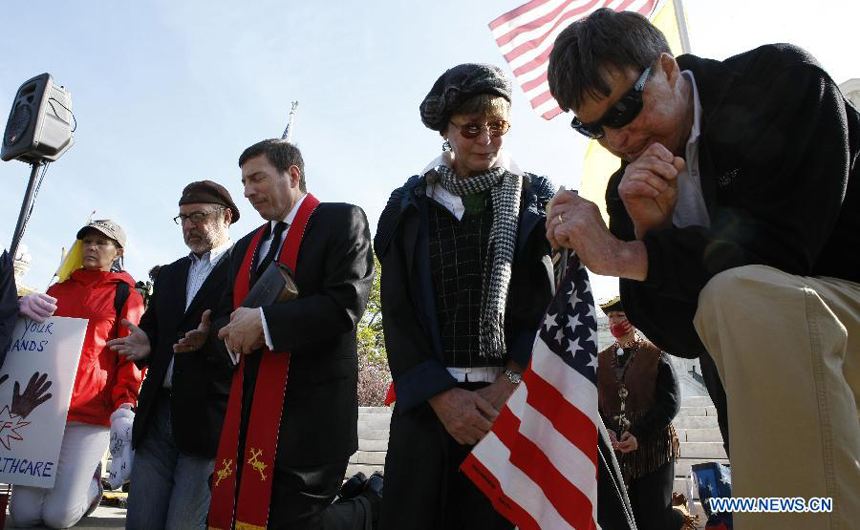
(209, 192)
(456, 86)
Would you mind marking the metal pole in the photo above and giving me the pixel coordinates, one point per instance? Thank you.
(288, 132)
(682, 25)
(25, 208)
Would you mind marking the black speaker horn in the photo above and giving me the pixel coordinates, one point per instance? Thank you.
(40, 122)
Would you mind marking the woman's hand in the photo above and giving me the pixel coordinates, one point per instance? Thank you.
(465, 415)
(37, 306)
(627, 444)
(497, 392)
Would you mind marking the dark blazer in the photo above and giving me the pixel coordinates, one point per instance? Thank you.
(201, 379)
(8, 303)
(412, 337)
(778, 159)
(334, 273)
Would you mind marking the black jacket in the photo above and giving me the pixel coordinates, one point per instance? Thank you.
(334, 273)
(778, 156)
(8, 304)
(201, 380)
(412, 337)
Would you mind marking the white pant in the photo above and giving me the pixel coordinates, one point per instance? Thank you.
(65, 504)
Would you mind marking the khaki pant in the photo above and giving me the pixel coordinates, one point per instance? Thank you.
(787, 349)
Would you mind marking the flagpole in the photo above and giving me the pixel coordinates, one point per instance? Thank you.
(288, 132)
(682, 25)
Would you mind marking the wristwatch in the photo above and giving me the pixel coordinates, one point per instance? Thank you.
(513, 376)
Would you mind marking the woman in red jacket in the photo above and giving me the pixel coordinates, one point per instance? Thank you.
(104, 383)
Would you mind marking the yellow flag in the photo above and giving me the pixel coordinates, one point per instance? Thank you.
(70, 261)
(73, 259)
(599, 163)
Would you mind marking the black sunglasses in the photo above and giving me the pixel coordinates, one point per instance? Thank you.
(623, 112)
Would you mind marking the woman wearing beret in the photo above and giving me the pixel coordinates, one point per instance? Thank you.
(466, 277)
(104, 295)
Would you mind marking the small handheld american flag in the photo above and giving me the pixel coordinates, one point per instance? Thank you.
(538, 464)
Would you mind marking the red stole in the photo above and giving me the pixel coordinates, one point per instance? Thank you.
(261, 440)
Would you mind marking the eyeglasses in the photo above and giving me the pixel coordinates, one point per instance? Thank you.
(196, 217)
(472, 130)
(623, 112)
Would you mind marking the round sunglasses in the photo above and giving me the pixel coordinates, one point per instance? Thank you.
(472, 130)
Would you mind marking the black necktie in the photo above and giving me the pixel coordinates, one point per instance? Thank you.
(275, 243)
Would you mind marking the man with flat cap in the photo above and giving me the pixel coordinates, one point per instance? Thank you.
(184, 397)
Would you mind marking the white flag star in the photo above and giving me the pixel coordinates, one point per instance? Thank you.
(592, 336)
(574, 346)
(573, 322)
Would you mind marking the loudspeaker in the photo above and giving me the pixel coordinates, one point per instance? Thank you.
(40, 122)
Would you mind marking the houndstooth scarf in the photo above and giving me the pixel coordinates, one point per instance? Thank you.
(505, 190)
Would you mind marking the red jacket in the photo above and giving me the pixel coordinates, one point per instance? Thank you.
(105, 380)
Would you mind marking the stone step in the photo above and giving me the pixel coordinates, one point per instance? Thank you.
(700, 435)
(376, 446)
(696, 401)
(374, 422)
(373, 458)
(696, 411)
(372, 434)
(375, 410)
(695, 422)
(710, 450)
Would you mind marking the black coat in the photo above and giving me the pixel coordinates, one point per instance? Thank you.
(201, 380)
(334, 273)
(412, 337)
(8, 304)
(778, 157)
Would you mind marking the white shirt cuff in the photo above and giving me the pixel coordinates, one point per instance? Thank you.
(266, 331)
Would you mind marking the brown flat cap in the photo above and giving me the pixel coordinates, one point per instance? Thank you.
(106, 227)
(206, 191)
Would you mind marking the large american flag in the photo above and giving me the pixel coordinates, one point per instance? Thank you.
(538, 463)
(526, 35)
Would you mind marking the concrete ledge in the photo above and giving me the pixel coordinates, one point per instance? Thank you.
(700, 435)
(695, 422)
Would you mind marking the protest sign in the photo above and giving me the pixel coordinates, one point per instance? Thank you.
(35, 391)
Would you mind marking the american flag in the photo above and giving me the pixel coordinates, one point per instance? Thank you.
(526, 35)
(538, 463)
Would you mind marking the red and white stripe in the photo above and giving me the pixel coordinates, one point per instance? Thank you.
(538, 463)
(526, 35)
(542, 447)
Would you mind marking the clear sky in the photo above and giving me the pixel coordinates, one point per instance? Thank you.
(170, 91)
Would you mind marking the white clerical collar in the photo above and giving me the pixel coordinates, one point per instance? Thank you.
(290, 216)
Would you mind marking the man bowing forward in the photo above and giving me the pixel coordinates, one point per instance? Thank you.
(291, 419)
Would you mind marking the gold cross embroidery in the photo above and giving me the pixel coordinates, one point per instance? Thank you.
(225, 471)
(256, 464)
